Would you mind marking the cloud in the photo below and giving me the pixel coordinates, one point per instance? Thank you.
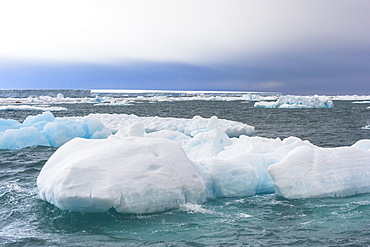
(289, 46)
(197, 32)
(308, 72)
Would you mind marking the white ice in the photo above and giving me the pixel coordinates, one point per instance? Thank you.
(297, 102)
(350, 97)
(362, 144)
(114, 122)
(31, 108)
(131, 175)
(312, 172)
(127, 97)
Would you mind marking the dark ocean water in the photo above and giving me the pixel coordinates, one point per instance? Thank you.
(261, 220)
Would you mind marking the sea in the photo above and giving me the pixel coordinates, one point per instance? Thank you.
(260, 220)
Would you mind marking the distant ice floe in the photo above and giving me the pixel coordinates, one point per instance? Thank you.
(42, 100)
(115, 122)
(57, 131)
(128, 97)
(113, 102)
(31, 108)
(138, 172)
(350, 97)
(297, 102)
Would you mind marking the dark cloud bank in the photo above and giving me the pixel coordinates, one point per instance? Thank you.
(306, 73)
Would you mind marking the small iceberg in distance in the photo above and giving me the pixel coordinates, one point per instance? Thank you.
(297, 102)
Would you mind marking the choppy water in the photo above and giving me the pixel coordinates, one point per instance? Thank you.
(262, 220)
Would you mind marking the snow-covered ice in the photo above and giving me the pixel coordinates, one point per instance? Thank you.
(311, 172)
(114, 122)
(297, 102)
(350, 97)
(131, 175)
(362, 144)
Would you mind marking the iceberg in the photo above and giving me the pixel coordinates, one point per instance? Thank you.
(220, 167)
(9, 124)
(46, 130)
(115, 122)
(297, 102)
(21, 138)
(313, 172)
(241, 168)
(99, 126)
(139, 171)
(131, 175)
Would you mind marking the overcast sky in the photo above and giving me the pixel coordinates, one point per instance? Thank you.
(287, 46)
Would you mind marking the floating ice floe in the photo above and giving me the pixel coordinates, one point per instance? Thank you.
(113, 102)
(297, 102)
(31, 108)
(114, 122)
(133, 171)
(311, 172)
(350, 97)
(46, 130)
(131, 175)
(58, 131)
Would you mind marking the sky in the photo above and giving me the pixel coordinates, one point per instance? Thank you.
(301, 47)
